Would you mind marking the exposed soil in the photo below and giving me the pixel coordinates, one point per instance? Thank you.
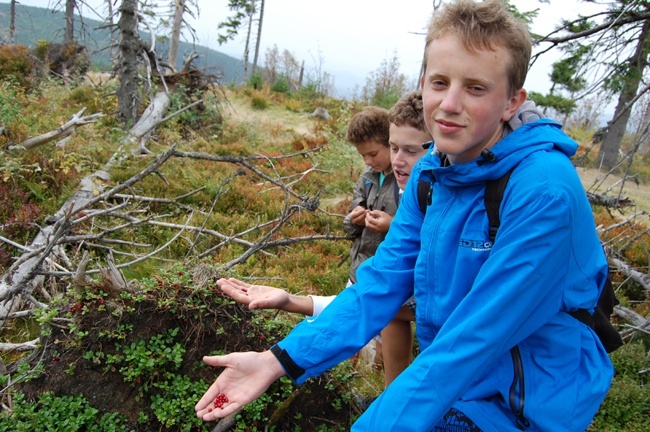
(222, 325)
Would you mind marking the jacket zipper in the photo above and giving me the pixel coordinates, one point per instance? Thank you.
(518, 384)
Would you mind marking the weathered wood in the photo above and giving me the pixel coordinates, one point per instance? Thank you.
(149, 120)
(62, 131)
(609, 201)
(638, 277)
(23, 346)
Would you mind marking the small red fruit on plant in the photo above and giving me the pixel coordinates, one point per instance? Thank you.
(220, 400)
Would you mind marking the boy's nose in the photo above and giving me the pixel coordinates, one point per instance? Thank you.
(451, 101)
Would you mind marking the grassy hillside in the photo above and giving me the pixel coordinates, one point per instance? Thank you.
(34, 23)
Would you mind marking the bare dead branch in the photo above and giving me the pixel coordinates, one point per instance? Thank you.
(19, 347)
(636, 276)
(637, 321)
(616, 202)
(62, 131)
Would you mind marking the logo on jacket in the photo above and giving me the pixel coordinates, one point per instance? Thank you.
(476, 245)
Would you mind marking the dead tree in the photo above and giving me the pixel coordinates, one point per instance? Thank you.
(177, 23)
(12, 22)
(70, 6)
(127, 94)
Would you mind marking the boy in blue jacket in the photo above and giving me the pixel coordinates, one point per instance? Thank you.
(499, 350)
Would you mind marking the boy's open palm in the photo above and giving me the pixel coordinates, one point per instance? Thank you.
(246, 376)
(255, 296)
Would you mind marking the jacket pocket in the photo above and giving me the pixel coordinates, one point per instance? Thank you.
(518, 390)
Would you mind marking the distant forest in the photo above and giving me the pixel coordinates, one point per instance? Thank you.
(34, 24)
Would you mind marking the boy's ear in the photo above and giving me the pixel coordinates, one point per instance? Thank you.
(515, 103)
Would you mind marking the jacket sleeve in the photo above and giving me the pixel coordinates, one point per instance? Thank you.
(359, 312)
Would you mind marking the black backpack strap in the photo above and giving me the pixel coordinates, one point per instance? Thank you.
(425, 191)
(494, 190)
(600, 320)
(397, 194)
(368, 185)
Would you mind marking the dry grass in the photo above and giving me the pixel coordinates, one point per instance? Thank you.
(596, 181)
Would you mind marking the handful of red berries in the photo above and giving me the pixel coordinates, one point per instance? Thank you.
(220, 400)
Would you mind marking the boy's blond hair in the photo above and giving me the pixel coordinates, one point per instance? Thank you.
(408, 111)
(371, 124)
(484, 25)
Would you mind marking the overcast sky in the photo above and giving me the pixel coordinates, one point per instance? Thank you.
(350, 38)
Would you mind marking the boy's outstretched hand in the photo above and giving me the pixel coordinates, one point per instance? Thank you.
(255, 296)
(246, 376)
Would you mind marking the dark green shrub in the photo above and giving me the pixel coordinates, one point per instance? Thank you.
(69, 413)
(281, 85)
(627, 405)
(256, 81)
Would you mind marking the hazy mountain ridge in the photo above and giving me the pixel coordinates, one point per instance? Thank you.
(35, 23)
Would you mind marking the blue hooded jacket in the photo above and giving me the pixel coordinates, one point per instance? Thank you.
(495, 339)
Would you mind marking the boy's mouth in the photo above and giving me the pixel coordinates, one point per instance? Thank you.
(447, 126)
(401, 176)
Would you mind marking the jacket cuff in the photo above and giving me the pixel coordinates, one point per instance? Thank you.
(290, 367)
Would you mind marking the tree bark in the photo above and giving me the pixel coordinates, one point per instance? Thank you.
(609, 148)
(259, 38)
(251, 15)
(174, 40)
(12, 22)
(68, 37)
(114, 39)
(127, 94)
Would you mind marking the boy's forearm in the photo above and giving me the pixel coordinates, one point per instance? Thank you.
(299, 304)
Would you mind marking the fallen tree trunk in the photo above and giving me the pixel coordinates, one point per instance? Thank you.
(150, 119)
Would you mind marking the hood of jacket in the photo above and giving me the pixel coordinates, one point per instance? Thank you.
(541, 135)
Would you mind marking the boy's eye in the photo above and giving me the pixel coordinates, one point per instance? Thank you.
(394, 149)
(438, 84)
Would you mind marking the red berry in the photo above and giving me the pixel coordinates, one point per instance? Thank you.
(220, 400)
